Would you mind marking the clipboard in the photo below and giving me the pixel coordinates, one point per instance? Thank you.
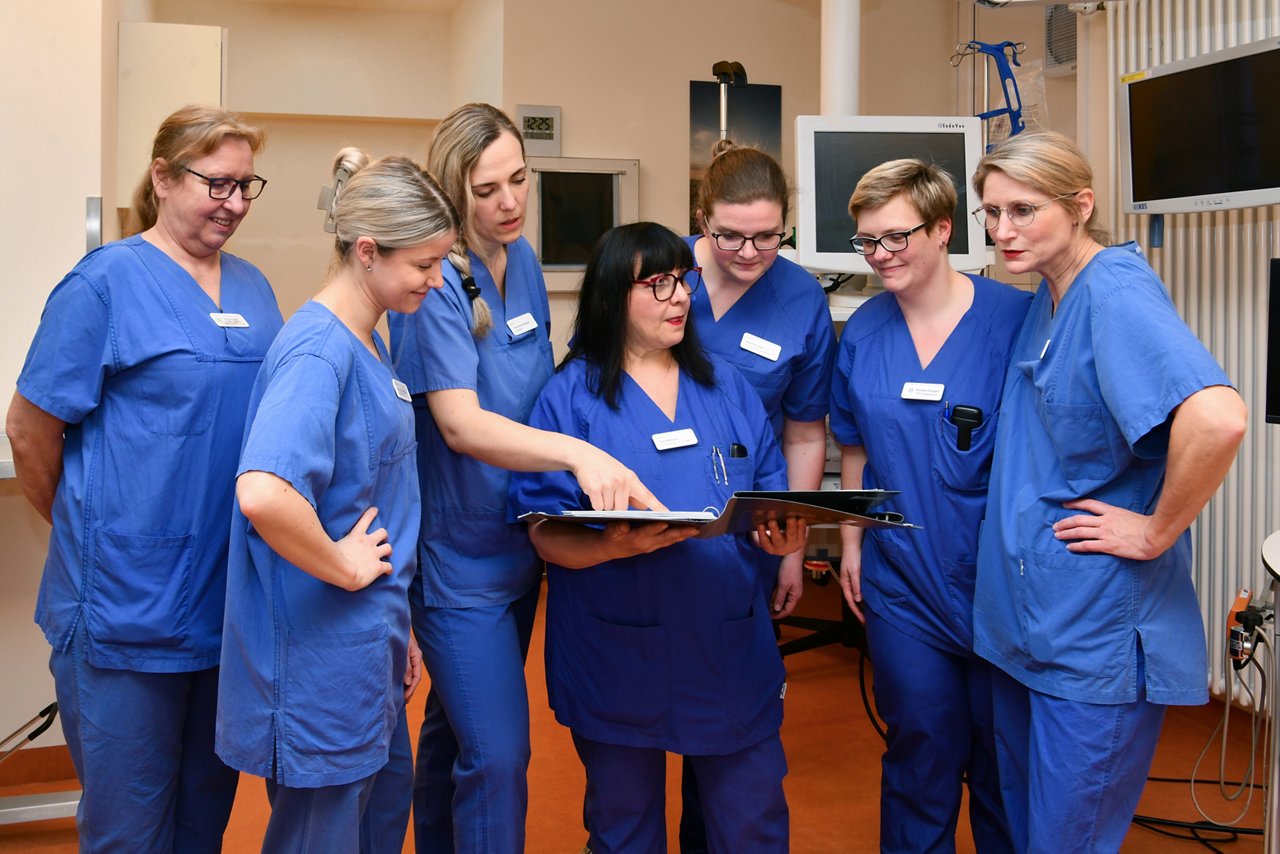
(746, 510)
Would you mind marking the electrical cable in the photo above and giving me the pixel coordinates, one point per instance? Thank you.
(1229, 790)
(866, 701)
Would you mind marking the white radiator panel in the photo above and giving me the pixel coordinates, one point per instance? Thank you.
(1215, 265)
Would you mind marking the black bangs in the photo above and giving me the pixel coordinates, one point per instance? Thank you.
(661, 251)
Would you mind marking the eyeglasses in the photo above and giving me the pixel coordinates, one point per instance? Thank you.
(766, 242)
(222, 188)
(1020, 214)
(664, 285)
(894, 241)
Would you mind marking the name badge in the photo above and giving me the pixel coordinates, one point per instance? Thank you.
(402, 390)
(522, 324)
(759, 346)
(229, 319)
(674, 439)
(922, 391)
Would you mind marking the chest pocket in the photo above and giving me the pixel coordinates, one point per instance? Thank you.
(968, 470)
(175, 395)
(391, 422)
(1085, 438)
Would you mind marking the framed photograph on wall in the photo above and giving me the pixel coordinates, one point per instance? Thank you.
(755, 119)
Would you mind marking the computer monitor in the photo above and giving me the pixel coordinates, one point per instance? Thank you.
(1201, 134)
(834, 152)
(1273, 345)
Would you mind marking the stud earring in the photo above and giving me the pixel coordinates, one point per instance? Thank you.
(369, 269)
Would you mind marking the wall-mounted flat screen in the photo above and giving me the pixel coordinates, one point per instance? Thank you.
(1203, 133)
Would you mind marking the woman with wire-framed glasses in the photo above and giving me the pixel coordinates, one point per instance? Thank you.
(1116, 428)
(914, 405)
(126, 429)
(659, 643)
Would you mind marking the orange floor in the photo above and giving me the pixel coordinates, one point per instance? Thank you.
(834, 770)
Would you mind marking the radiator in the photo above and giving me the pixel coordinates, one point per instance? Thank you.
(1215, 265)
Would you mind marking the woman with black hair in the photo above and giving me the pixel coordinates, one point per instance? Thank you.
(649, 653)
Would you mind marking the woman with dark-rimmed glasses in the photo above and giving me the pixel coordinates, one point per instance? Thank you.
(658, 643)
(914, 406)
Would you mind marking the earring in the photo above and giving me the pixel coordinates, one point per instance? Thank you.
(369, 269)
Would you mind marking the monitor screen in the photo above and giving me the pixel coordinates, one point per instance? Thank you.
(834, 152)
(1201, 133)
(1273, 346)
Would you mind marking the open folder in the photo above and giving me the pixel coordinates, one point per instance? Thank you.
(745, 510)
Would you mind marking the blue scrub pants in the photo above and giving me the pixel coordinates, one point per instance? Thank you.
(937, 710)
(1071, 773)
(142, 745)
(741, 795)
(470, 792)
(370, 815)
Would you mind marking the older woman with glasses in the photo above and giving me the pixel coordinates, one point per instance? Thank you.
(914, 405)
(1116, 428)
(657, 642)
(126, 428)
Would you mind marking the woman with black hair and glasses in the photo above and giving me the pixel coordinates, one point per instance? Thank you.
(914, 407)
(657, 642)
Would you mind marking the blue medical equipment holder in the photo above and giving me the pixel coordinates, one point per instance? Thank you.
(1002, 54)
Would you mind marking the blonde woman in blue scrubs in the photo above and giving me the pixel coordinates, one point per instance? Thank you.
(319, 661)
(475, 360)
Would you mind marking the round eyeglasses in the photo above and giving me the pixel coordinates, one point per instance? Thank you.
(664, 285)
(765, 242)
(1020, 214)
(222, 188)
(894, 241)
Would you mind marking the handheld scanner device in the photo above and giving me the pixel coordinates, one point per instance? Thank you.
(966, 418)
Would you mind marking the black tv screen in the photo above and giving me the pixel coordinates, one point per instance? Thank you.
(1273, 346)
(1204, 133)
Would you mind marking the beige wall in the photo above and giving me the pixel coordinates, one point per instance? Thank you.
(55, 54)
(326, 61)
(476, 58)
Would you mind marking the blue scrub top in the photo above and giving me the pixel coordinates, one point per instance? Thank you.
(154, 395)
(922, 580)
(1085, 414)
(311, 681)
(787, 307)
(471, 554)
(672, 650)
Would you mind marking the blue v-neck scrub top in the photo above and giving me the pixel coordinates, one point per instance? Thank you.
(786, 307)
(672, 650)
(311, 684)
(154, 394)
(472, 556)
(1086, 412)
(922, 581)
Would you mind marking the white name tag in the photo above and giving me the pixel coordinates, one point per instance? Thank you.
(522, 324)
(228, 320)
(402, 390)
(674, 439)
(759, 346)
(922, 391)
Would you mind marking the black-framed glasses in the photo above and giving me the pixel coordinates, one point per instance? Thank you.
(894, 241)
(222, 188)
(664, 284)
(1020, 214)
(764, 242)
